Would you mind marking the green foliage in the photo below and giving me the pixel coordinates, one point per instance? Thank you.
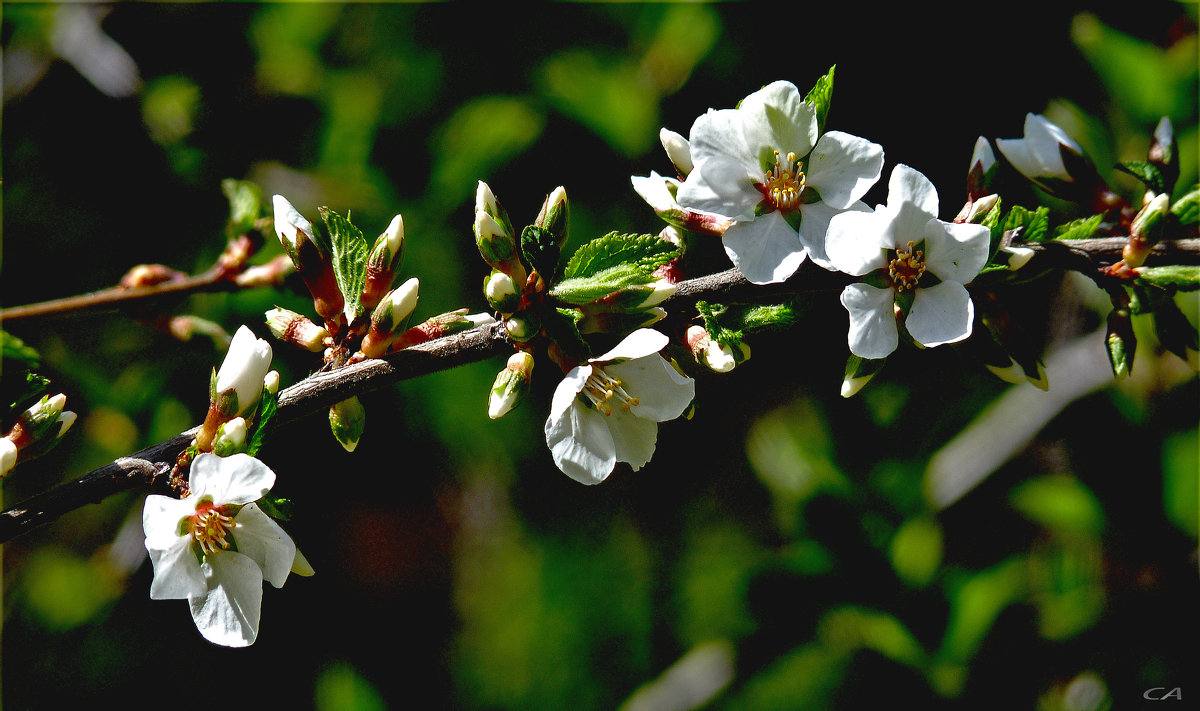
(916, 551)
(1171, 279)
(821, 96)
(479, 136)
(350, 252)
(1150, 174)
(1033, 224)
(1083, 228)
(267, 405)
(14, 349)
(1187, 208)
(245, 205)
(641, 253)
(1059, 503)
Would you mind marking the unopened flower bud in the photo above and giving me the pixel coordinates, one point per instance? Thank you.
(975, 211)
(501, 292)
(487, 203)
(859, 372)
(1015, 257)
(383, 262)
(389, 317)
(522, 328)
(439, 326)
(65, 421)
(1148, 222)
(313, 265)
(553, 215)
(149, 275)
(296, 329)
(1042, 152)
(271, 382)
(231, 438)
(8, 455)
(498, 247)
(1120, 342)
(511, 385)
(242, 371)
(716, 356)
(678, 150)
(40, 417)
(979, 175)
(347, 420)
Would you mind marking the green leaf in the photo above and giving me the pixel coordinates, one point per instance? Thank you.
(585, 290)
(1173, 278)
(541, 251)
(350, 251)
(1083, 228)
(644, 253)
(13, 348)
(993, 222)
(1187, 208)
(916, 551)
(1150, 175)
(1059, 503)
(820, 96)
(1172, 328)
(277, 508)
(1034, 224)
(267, 406)
(712, 315)
(20, 394)
(560, 326)
(245, 205)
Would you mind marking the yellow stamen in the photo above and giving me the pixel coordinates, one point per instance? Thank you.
(784, 183)
(906, 267)
(602, 387)
(211, 529)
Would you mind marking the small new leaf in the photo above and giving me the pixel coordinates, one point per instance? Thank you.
(350, 252)
(1173, 278)
(643, 253)
(1150, 174)
(541, 251)
(1082, 228)
(245, 205)
(1187, 208)
(13, 348)
(1034, 224)
(267, 406)
(585, 290)
(560, 326)
(277, 508)
(820, 96)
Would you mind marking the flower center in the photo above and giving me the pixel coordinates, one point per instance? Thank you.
(906, 267)
(784, 183)
(211, 529)
(602, 387)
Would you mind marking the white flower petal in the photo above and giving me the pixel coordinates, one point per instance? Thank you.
(719, 134)
(956, 251)
(236, 479)
(633, 436)
(873, 332)
(177, 572)
(912, 187)
(639, 344)
(655, 190)
(776, 118)
(161, 516)
(814, 228)
(853, 242)
(843, 168)
(1019, 152)
(940, 314)
(766, 250)
(229, 613)
(663, 394)
(259, 538)
(568, 388)
(581, 444)
(721, 185)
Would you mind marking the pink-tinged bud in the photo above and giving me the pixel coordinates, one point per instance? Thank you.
(678, 150)
(313, 265)
(243, 370)
(382, 264)
(270, 274)
(296, 329)
(979, 175)
(510, 385)
(149, 275)
(389, 318)
(975, 211)
(715, 356)
(440, 326)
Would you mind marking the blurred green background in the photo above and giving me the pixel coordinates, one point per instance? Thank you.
(941, 538)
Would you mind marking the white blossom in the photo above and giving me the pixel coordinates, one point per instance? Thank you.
(762, 166)
(215, 547)
(608, 409)
(913, 255)
(1039, 153)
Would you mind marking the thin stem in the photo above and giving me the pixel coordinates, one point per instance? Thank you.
(317, 392)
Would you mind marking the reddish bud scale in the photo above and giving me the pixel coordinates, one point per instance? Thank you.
(149, 275)
(317, 272)
(377, 283)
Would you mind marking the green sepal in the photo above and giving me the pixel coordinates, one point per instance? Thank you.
(561, 327)
(277, 507)
(267, 405)
(541, 251)
(1150, 174)
(1187, 208)
(347, 420)
(1120, 342)
(1170, 279)
(20, 393)
(245, 205)
(859, 372)
(350, 251)
(642, 253)
(995, 226)
(1083, 228)
(1034, 224)
(820, 96)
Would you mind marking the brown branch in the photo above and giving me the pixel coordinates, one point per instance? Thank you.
(143, 469)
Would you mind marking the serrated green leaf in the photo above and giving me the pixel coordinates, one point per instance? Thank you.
(1082, 228)
(245, 204)
(820, 96)
(1187, 208)
(267, 406)
(1173, 278)
(350, 251)
(541, 251)
(585, 290)
(644, 253)
(560, 326)
(1150, 175)
(713, 315)
(13, 348)
(1034, 224)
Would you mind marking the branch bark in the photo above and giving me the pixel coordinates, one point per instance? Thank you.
(318, 392)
